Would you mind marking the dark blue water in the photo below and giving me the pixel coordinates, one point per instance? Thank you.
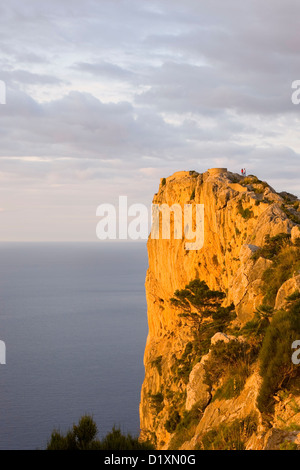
(73, 317)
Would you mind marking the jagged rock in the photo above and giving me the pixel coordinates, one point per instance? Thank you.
(271, 195)
(197, 391)
(271, 222)
(221, 337)
(295, 233)
(276, 437)
(220, 411)
(287, 411)
(288, 288)
(246, 252)
(245, 285)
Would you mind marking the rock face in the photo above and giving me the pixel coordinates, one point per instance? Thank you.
(288, 288)
(238, 214)
(197, 391)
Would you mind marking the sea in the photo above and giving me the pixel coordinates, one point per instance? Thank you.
(73, 319)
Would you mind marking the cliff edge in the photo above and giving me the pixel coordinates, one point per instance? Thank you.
(213, 314)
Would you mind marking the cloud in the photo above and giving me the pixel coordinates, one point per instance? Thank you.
(105, 69)
(81, 126)
(104, 98)
(24, 77)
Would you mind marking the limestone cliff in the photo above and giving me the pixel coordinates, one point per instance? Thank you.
(179, 406)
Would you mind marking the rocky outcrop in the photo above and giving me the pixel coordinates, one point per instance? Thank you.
(295, 234)
(238, 214)
(197, 391)
(288, 288)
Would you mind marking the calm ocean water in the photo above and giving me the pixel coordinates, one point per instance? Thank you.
(73, 317)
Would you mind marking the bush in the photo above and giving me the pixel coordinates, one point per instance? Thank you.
(157, 401)
(173, 421)
(115, 440)
(233, 386)
(83, 437)
(283, 268)
(272, 246)
(290, 214)
(276, 367)
(286, 260)
(288, 445)
(229, 436)
(250, 180)
(230, 362)
(245, 213)
(185, 430)
(256, 328)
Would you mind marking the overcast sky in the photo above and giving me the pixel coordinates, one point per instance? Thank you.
(105, 97)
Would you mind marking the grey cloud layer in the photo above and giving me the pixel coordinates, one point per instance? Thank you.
(101, 91)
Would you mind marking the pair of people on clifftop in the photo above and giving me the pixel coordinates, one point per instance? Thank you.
(243, 171)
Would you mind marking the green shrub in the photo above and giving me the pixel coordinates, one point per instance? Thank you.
(157, 401)
(258, 189)
(294, 217)
(283, 268)
(250, 180)
(230, 362)
(231, 436)
(163, 182)
(185, 430)
(83, 437)
(233, 385)
(256, 328)
(173, 421)
(288, 445)
(272, 246)
(183, 365)
(276, 367)
(286, 260)
(115, 440)
(245, 213)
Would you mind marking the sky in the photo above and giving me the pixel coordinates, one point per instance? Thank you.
(105, 97)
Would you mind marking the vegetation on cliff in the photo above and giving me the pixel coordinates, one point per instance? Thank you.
(82, 436)
(276, 368)
(231, 436)
(201, 308)
(265, 340)
(285, 257)
(219, 351)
